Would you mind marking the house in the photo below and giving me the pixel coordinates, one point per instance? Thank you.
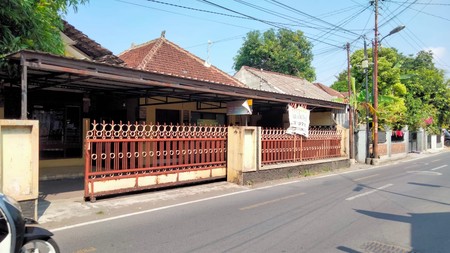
(334, 93)
(285, 84)
(157, 81)
(162, 56)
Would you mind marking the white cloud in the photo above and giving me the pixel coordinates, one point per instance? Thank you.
(441, 59)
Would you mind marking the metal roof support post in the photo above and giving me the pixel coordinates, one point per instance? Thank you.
(24, 88)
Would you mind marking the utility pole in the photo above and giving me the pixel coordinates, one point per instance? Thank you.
(365, 65)
(350, 111)
(375, 85)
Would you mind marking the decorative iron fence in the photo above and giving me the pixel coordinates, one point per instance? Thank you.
(118, 151)
(280, 147)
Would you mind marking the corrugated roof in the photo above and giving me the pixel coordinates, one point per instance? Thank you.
(282, 83)
(164, 57)
(329, 90)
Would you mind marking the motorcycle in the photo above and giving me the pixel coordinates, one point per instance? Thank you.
(22, 235)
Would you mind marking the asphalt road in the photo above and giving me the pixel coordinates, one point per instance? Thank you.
(404, 207)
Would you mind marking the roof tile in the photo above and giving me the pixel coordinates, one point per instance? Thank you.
(163, 56)
(281, 83)
(89, 46)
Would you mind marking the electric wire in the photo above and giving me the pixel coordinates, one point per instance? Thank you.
(260, 20)
(413, 38)
(309, 16)
(416, 3)
(181, 14)
(329, 32)
(345, 22)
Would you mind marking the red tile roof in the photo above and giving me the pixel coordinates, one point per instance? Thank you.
(165, 57)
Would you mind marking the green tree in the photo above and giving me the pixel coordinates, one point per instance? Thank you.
(341, 84)
(428, 92)
(391, 91)
(282, 51)
(33, 24)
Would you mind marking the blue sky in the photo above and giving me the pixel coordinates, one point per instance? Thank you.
(328, 24)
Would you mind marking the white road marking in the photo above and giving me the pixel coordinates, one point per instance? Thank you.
(147, 211)
(440, 167)
(362, 178)
(369, 192)
(425, 172)
(220, 196)
(271, 201)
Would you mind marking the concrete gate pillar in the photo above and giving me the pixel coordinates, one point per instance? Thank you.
(243, 152)
(361, 140)
(421, 140)
(406, 138)
(19, 163)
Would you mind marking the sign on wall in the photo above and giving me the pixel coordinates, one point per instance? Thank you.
(241, 107)
(298, 120)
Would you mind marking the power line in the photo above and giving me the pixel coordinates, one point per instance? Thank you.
(195, 9)
(429, 14)
(395, 15)
(309, 16)
(260, 20)
(437, 4)
(346, 21)
(181, 14)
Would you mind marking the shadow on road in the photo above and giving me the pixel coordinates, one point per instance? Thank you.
(429, 231)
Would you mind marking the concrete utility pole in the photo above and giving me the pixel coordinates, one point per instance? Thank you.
(375, 85)
(365, 66)
(350, 111)
(375, 78)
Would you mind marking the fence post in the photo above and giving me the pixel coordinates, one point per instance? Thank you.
(243, 152)
(19, 163)
(433, 142)
(344, 140)
(421, 141)
(405, 131)
(388, 141)
(361, 152)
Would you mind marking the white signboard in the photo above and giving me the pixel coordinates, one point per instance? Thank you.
(241, 107)
(298, 120)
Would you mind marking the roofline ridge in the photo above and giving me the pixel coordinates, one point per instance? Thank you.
(201, 61)
(252, 70)
(280, 74)
(151, 53)
(137, 46)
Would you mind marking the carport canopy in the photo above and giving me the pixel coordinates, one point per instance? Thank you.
(43, 71)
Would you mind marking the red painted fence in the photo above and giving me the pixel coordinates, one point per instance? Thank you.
(120, 151)
(280, 147)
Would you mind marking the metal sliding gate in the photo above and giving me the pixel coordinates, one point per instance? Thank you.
(280, 147)
(131, 157)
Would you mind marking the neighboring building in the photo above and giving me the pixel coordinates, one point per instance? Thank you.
(280, 83)
(292, 85)
(332, 92)
(340, 116)
(79, 46)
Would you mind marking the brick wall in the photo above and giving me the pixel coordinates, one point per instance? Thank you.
(398, 148)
